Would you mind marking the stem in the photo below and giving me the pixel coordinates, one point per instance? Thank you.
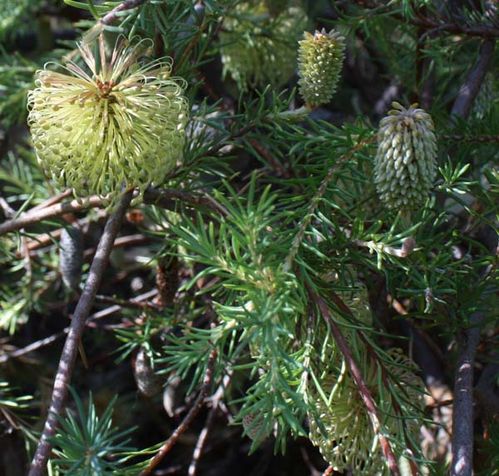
(462, 415)
(314, 202)
(356, 374)
(69, 352)
(196, 407)
(37, 215)
(474, 79)
(164, 198)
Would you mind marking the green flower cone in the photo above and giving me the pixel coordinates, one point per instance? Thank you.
(405, 164)
(320, 59)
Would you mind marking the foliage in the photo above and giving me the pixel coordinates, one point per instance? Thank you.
(88, 444)
(267, 209)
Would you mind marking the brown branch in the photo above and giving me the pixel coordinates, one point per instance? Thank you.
(329, 471)
(32, 347)
(53, 200)
(167, 198)
(35, 216)
(356, 374)
(462, 416)
(434, 25)
(69, 352)
(314, 202)
(474, 79)
(196, 407)
(483, 139)
(135, 303)
(164, 198)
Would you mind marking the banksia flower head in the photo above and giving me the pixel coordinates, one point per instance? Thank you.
(109, 124)
(340, 426)
(405, 164)
(258, 43)
(320, 59)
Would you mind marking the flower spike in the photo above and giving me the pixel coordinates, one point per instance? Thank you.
(110, 123)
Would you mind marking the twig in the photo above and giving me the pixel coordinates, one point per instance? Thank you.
(135, 303)
(484, 138)
(314, 202)
(122, 242)
(32, 217)
(471, 87)
(215, 404)
(432, 25)
(164, 198)
(198, 449)
(53, 200)
(68, 356)
(462, 418)
(113, 15)
(140, 302)
(32, 347)
(196, 407)
(329, 471)
(356, 374)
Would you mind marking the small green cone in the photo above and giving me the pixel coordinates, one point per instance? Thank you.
(320, 59)
(405, 164)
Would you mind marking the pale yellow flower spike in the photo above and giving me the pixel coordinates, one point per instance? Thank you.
(110, 123)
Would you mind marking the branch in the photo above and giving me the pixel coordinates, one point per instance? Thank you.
(196, 407)
(68, 356)
(462, 415)
(164, 198)
(37, 215)
(314, 202)
(215, 405)
(356, 374)
(471, 87)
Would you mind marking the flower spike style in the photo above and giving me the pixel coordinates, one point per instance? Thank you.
(405, 164)
(320, 59)
(109, 124)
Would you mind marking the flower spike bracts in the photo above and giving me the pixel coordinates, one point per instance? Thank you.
(320, 59)
(109, 124)
(405, 164)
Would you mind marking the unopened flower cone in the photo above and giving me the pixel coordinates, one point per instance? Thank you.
(405, 164)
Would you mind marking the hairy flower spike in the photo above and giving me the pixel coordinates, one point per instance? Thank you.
(405, 164)
(110, 124)
(258, 43)
(340, 426)
(320, 59)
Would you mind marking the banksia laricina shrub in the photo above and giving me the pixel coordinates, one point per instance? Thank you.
(405, 164)
(320, 59)
(340, 426)
(259, 47)
(109, 124)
